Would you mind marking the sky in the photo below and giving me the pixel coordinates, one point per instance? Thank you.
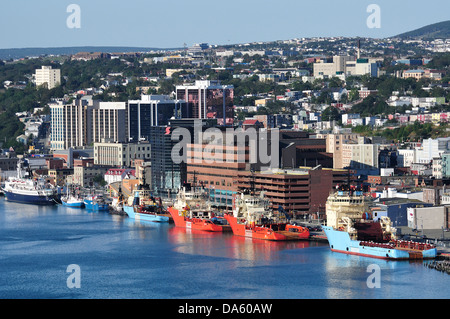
(173, 23)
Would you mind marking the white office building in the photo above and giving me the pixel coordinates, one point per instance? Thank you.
(121, 154)
(432, 148)
(85, 121)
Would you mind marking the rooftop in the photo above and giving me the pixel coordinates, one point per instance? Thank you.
(397, 201)
(415, 71)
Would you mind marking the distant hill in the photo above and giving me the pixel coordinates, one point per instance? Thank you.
(435, 31)
(18, 53)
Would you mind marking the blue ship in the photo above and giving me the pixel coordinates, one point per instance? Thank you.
(352, 230)
(71, 201)
(129, 210)
(12, 196)
(341, 242)
(72, 197)
(96, 203)
(144, 207)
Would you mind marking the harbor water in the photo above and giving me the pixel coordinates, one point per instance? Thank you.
(118, 257)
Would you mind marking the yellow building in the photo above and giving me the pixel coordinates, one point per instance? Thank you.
(262, 102)
(435, 117)
(417, 74)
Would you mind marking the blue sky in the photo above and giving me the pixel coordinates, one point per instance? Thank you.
(170, 23)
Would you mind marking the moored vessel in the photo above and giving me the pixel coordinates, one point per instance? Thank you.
(96, 203)
(27, 190)
(191, 210)
(117, 203)
(253, 218)
(143, 206)
(72, 198)
(351, 230)
(72, 201)
(116, 206)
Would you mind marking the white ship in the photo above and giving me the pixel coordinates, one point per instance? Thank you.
(26, 190)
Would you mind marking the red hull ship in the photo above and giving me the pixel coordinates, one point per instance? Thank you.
(252, 218)
(206, 223)
(190, 210)
(278, 231)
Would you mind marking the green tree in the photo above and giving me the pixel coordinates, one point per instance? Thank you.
(331, 114)
(353, 95)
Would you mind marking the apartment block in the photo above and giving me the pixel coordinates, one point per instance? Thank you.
(48, 76)
(69, 124)
(85, 121)
(106, 121)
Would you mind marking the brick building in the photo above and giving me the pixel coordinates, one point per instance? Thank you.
(300, 191)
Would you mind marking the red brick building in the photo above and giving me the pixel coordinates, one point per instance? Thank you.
(299, 192)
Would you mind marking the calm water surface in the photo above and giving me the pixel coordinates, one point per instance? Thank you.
(121, 258)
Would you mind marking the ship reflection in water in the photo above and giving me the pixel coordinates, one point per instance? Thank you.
(227, 245)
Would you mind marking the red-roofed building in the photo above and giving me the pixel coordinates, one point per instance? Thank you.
(252, 123)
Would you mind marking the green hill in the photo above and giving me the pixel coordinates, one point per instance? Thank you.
(434, 31)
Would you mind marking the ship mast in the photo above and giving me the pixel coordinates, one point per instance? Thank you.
(19, 169)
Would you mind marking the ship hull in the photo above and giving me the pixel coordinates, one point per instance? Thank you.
(73, 204)
(90, 205)
(341, 242)
(196, 223)
(29, 199)
(145, 217)
(265, 233)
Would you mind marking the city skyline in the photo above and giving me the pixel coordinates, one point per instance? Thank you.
(171, 24)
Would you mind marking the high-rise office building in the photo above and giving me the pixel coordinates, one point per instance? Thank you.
(169, 169)
(47, 75)
(208, 100)
(152, 110)
(68, 124)
(85, 121)
(107, 122)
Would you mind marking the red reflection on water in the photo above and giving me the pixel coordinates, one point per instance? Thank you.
(228, 245)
